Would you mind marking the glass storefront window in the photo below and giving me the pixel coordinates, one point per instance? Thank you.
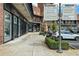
(7, 26)
(30, 27)
(74, 22)
(19, 27)
(22, 27)
(14, 26)
(26, 27)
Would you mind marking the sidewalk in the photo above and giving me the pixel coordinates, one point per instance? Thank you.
(32, 44)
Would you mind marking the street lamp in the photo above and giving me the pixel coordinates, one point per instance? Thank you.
(60, 49)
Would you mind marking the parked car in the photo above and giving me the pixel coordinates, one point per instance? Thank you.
(67, 35)
(74, 30)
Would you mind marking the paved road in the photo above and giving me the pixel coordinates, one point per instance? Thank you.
(74, 44)
(32, 44)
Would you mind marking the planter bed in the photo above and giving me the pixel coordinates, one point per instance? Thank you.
(52, 43)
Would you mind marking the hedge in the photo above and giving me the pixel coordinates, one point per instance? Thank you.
(53, 44)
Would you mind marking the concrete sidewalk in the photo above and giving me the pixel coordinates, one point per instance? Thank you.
(32, 44)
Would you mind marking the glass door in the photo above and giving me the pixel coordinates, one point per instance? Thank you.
(7, 26)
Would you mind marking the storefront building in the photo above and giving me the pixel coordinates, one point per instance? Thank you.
(37, 17)
(12, 22)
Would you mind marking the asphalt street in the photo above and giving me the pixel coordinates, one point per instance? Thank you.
(73, 43)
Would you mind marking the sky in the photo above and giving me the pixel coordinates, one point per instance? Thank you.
(77, 9)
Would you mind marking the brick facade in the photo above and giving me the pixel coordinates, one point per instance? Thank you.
(36, 10)
(1, 23)
(78, 17)
(41, 7)
(78, 21)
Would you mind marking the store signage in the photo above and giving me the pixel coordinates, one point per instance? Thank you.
(69, 12)
(50, 12)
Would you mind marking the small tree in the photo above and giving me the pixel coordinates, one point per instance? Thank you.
(54, 27)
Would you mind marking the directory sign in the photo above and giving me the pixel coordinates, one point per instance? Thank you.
(69, 12)
(50, 12)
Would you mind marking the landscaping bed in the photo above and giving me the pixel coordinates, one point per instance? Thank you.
(53, 43)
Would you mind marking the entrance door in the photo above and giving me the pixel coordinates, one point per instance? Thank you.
(7, 26)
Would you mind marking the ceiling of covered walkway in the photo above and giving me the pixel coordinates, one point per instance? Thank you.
(23, 9)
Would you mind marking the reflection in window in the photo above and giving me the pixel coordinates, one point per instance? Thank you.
(7, 26)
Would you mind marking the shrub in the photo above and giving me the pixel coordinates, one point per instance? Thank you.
(51, 43)
(47, 38)
(52, 37)
(65, 45)
(54, 27)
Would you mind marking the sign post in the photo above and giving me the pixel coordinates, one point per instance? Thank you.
(60, 48)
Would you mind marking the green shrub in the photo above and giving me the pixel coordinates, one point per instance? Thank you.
(65, 45)
(54, 27)
(51, 43)
(47, 39)
(55, 44)
(53, 38)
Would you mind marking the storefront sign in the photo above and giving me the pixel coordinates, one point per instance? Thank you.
(69, 12)
(50, 12)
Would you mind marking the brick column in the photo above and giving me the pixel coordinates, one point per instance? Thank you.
(1, 23)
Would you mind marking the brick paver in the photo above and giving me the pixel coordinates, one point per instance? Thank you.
(32, 44)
